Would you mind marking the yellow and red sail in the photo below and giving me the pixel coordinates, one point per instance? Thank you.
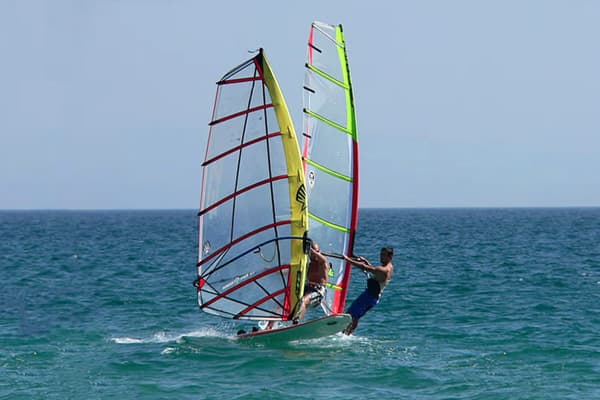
(253, 206)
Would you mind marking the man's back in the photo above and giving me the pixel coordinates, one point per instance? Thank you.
(384, 273)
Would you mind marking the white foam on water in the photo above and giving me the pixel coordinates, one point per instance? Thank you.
(168, 350)
(206, 332)
(338, 340)
(127, 340)
(167, 337)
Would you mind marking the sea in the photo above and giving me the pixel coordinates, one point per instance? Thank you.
(484, 304)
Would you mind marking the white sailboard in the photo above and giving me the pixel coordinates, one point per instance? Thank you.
(312, 329)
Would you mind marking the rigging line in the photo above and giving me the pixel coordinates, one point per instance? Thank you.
(261, 254)
(242, 238)
(272, 314)
(290, 238)
(213, 290)
(268, 293)
(273, 213)
(207, 275)
(228, 312)
(239, 113)
(259, 302)
(236, 148)
(239, 192)
(317, 26)
(239, 161)
(208, 305)
(254, 279)
(268, 313)
(270, 317)
(236, 70)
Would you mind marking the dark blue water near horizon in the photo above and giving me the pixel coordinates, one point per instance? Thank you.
(484, 304)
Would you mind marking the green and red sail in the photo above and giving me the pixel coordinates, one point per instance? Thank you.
(330, 153)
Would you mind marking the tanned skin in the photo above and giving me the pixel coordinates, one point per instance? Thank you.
(318, 271)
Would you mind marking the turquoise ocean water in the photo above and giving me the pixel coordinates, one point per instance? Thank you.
(485, 304)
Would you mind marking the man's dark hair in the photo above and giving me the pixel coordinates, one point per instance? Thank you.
(388, 250)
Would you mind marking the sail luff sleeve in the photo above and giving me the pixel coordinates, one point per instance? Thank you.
(339, 303)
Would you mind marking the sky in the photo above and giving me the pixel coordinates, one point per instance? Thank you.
(105, 104)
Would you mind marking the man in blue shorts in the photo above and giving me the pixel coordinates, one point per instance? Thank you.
(379, 277)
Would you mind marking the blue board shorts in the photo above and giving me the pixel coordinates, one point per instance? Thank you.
(362, 304)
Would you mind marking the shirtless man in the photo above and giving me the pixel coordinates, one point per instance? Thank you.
(379, 277)
(314, 289)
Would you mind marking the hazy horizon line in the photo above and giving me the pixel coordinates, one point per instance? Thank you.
(360, 208)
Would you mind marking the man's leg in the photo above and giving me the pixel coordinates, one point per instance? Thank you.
(303, 306)
(351, 326)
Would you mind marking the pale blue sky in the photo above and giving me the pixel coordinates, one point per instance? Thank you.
(105, 104)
